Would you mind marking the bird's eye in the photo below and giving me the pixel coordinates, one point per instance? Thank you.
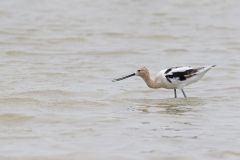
(138, 70)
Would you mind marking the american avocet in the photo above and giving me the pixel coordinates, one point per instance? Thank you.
(172, 78)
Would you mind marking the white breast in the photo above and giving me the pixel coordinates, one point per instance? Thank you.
(162, 80)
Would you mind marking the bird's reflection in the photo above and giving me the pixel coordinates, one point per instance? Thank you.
(167, 106)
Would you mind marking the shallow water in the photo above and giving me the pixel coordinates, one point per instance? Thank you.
(58, 58)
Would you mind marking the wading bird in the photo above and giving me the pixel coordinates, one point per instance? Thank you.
(172, 78)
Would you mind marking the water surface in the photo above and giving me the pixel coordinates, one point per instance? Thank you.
(58, 58)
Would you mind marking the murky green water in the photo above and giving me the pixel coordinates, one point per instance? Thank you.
(57, 60)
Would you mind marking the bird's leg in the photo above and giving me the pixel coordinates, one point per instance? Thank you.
(183, 93)
(175, 93)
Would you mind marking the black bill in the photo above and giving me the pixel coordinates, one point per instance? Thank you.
(119, 79)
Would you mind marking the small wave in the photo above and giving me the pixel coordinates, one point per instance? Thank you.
(142, 36)
(114, 53)
(51, 74)
(233, 88)
(234, 48)
(46, 93)
(114, 34)
(170, 102)
(14, 117)
(160, 14)
(225, 154)
(213, 28)
(79, 103)
(161, 37)
(17, 53)
(66, 40)
(16, 100)
(176, 50)
(164, 37)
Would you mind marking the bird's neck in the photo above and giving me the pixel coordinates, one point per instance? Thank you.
(150, 82)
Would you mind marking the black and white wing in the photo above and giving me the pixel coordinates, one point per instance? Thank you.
(177, 75)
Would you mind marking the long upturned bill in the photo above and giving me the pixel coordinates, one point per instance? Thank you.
(119, 79)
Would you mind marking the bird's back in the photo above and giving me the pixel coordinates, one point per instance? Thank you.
(178, 77)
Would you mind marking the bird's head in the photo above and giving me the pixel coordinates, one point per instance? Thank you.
(142, 72)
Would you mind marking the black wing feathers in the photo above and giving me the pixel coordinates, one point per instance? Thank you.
(180, 75)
